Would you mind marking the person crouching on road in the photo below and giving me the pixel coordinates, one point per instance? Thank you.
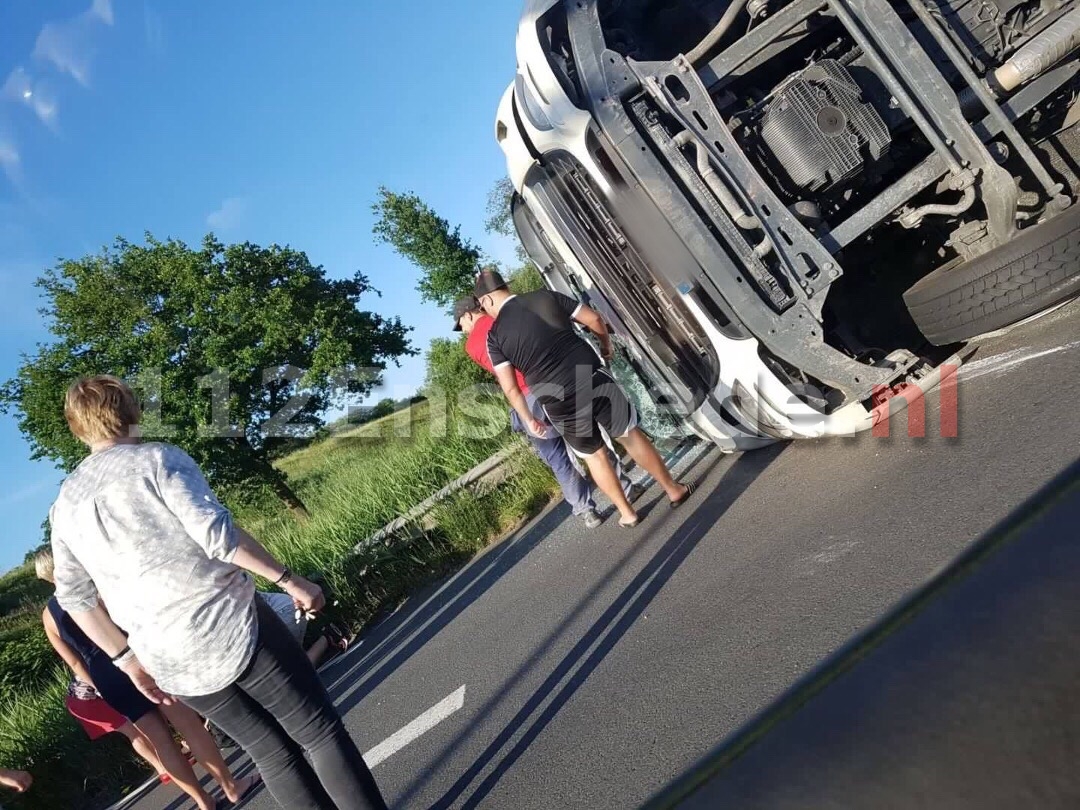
(138, 524)
(534, 334)
(576, 488)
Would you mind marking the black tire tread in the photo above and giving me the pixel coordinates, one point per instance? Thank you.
(1038, 269)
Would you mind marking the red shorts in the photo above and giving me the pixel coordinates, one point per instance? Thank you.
(97, 717)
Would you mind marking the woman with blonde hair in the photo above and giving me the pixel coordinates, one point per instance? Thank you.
(103, 699)
(136, 525)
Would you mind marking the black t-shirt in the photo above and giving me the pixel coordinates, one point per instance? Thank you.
(535, 334)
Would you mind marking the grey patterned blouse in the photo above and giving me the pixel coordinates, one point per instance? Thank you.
(138, 524)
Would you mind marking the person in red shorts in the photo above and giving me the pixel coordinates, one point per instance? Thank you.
(576, 488)
(98, 718)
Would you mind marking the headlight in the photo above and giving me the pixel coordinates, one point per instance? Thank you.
(529, 104)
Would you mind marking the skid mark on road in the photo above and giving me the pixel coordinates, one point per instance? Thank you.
(808, 566)
(1006, 361)
(417, 728)
(834, 552)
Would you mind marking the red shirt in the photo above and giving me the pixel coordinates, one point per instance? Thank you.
(477, 347)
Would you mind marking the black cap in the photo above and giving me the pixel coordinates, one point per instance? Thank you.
(463, 307)
(488, 281)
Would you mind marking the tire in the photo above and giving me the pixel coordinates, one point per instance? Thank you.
(1037, 269)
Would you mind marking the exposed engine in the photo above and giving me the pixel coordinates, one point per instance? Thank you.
(819, 129)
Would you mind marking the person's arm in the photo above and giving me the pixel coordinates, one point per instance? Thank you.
(100, 629)
(73, 660)
(252, 556)
(19, 781)
(187, 495)
(591, 320)
(508, 381)
(507, 377)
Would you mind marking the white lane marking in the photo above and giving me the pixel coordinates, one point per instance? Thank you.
(1000, 363)
(418, 727)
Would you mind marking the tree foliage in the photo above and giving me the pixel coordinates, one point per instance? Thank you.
(382, 408)
(447, 259)
(500, 219)
(450, 370)
(230, 349)
(525, 279)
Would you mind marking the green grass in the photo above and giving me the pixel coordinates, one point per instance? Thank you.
(353, 483)
(358, 482)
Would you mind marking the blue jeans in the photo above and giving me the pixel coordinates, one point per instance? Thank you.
(576, 487)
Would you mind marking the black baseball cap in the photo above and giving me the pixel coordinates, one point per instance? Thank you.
(488, 281)
(463, 307)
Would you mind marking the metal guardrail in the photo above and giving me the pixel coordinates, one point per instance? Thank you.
(491, 472)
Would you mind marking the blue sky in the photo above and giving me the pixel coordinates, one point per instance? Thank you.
(272, 121)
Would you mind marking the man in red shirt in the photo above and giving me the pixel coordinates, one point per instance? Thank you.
(576, 488)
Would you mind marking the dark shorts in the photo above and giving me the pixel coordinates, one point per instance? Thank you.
(586, 416)
(119, 692)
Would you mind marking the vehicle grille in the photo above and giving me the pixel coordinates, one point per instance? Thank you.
(623, 274)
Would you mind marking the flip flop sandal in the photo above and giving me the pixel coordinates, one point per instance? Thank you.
(337, 637)
(632, 524)
(690, 490)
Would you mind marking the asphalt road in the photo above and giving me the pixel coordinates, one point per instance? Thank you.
(597, 666)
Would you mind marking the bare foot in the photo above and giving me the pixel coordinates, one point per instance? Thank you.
(242, 788)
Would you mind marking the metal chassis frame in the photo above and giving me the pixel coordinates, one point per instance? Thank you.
(793, 335)
(807, 260)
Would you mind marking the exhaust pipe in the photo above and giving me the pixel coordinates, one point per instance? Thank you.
(1042, 52)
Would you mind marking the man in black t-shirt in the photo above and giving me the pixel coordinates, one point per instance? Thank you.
(534, 333)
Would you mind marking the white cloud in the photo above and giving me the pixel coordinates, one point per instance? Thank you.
(229, 216)
(69, 44)
(10, 162)
(21, 88)
(103, 10)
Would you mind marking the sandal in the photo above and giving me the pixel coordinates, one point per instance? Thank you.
(630, 524)
(690, 489)
(338, 638)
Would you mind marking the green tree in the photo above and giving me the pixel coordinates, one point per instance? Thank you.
(500, 217)
(382, 408)
(525, 279)
(447, 259)
(450, 370)
(231, 349)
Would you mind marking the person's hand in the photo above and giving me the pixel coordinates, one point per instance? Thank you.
(19, 781)
(145, 683)
(537, 428)
(305, 594)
